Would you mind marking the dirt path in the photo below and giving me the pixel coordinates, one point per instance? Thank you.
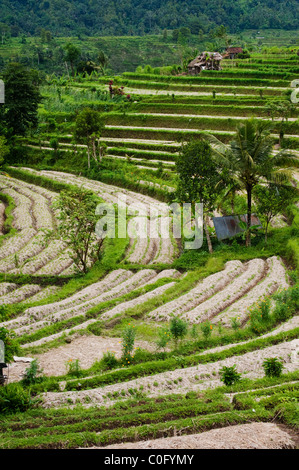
(208, 116)
(243, 436)
(87, 349)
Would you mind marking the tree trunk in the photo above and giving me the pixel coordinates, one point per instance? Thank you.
(266, 233)
(94, 152)
(233, 203)
(281, 134)
(248, 235)
(67, 69)
(207, 234)
(88, 157)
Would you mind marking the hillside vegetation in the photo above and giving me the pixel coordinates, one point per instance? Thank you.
(73, 17)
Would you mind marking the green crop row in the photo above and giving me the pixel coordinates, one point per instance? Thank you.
(143, 418)
(39, 180)
(234, 72)
(93, 312)
(138, 402)
(187, 348)
(143, 432)
(131, 418)
(156, 367)
(241, 89)
(268, 68)
(183, 122)
(142, 154)
(206, 100)
(201, 79)
(180, 136)
(213, 109)
(53, 417)
(120, 144)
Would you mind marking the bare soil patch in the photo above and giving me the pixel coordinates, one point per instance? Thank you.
(87, 349)
(243, 436)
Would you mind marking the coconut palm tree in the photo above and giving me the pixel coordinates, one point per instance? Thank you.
(249, 159)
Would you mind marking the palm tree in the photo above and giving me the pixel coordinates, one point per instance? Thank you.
(249, 160)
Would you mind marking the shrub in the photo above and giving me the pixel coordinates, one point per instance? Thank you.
(95, 328)
(128, 341)
(14, 398)
(272, 367)
(73, 367)
(54, 143)
(194, 332)
(31, 375)
(206, 329)
(235, 323)
(281, 312)
(164, 337)
(11, 345)
(178, 329)
(265, 305)
(3, 313)
(259, 316)
(229, 375)
(109, 360)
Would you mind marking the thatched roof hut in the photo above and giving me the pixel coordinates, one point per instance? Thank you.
(205, 61)
(232, 52)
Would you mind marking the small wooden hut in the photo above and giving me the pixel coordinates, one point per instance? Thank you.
(232, 52)
(205, 61)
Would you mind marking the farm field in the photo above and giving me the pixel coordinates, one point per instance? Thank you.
(239, 303)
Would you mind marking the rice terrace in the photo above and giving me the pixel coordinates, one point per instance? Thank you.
(149, 228)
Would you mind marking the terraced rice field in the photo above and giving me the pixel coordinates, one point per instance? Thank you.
(143, 249)
(169, 395)
(167, 109)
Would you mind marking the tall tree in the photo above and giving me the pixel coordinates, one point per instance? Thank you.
(22, 96)
(88, 127)
(272, 200)
(77, 227)
(249, 159)
(4, 149)
(103, 62)
(198, 177)
(72, 55)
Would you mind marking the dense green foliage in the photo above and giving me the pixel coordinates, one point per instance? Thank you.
(72, 17)
(22, 96)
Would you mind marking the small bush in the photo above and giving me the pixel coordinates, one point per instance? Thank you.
(178, 329)
(235, 323)
(109, 360)
(164, 338)
(229, 375)
(12, 347)
(194, 332)
(206, 329)
(282, 312)
(265, 305)
(95, 328)
(32, 374)
(14, 398)
(128, 341)
(73, 367)
(272, 367)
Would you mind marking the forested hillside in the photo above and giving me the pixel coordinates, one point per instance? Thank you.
(137, 17)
